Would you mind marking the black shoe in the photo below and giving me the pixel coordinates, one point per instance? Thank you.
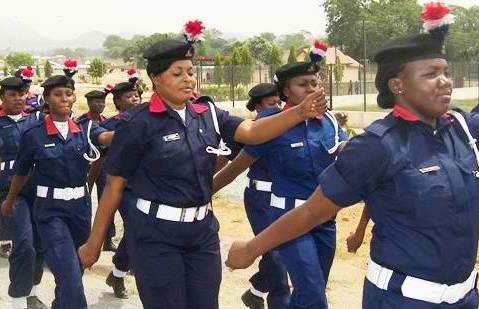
(252, 301)
(34, 303)
(118, 285)
(108, 245)
(5, 250)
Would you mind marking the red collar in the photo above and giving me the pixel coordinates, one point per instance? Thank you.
(3, 113)
(117, 116)
(52, 129)
(89, 116)
(157, 106)
(401, 112)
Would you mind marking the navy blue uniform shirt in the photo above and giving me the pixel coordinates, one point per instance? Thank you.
(164, 160)
(420, 190)
(58, 162)
(10, 132)
(296, 158)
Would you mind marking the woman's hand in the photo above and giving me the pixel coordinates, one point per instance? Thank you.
(354, 241)
(240, 255)
(88, 254)
(313, 105)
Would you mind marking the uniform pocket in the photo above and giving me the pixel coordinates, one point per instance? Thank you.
(426, 198)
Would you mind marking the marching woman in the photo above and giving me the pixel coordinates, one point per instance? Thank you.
(59, 148)
(295, 160)
(26, 259)
(126, 95)
(417, 171)
(271, 280)
(167, 151)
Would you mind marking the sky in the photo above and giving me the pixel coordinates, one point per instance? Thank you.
(60, 19)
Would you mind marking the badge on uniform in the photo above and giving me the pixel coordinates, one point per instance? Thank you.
(430, 169)
(171, 137)
(296, 145)
(50, 145)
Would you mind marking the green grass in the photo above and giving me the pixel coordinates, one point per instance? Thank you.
(465, 105)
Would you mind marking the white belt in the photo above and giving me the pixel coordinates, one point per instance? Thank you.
(170, 213)
(421, 289)
(7, 164)
(65, 194)
(280, 202)
(260, 185)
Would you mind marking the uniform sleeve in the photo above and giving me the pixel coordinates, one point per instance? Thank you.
(342, 136)
(473, 123)
(235, 150)
(258, 151)
(125, 152)
(228, 125)
(359, 170)
(24, 160)
(95, 132)
(1, 143)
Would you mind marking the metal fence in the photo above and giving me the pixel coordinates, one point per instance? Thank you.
(232, 82)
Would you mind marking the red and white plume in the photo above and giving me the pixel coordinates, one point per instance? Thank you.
(108, 88)
(318, 52)
(193, 31)
(70, 65)
(27, 73)
(436, 15)
(131, 73)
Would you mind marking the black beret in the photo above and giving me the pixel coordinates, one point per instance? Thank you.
(409, 48)
(13, 83)
(169, 49)
(59, 81)
(96, 94)
(161, 55)
(295, 69)
(123, 87)
(263, 90)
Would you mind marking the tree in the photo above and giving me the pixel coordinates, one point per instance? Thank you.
(218, 70)
(293, 39)
(48, 69)
(16, 60)
(260, 49)
(5, 71)
(37, 70)
(383, 19)
(275, 60)
(338, 72)
(97, 69)
(292, 54)
(247, 65)
(115, 45)
(268, 36)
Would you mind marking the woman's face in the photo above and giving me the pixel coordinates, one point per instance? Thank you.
(268, 102)
(298, 88)
(176, 84)
(96, 106)
(128, 100)
(60, 101)
(13, 101)
(426, 86)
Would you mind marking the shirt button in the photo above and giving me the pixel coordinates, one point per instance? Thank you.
(201, 130)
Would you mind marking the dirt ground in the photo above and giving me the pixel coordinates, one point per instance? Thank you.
(344, 289)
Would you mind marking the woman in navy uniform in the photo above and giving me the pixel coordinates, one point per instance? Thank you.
(417, 170)
(167, 151)
(295, 160)
(271, 280)
(26, 259)
(126, 95)
(58, 149)
(96, 106)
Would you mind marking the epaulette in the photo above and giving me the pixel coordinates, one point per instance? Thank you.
(382, 126)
